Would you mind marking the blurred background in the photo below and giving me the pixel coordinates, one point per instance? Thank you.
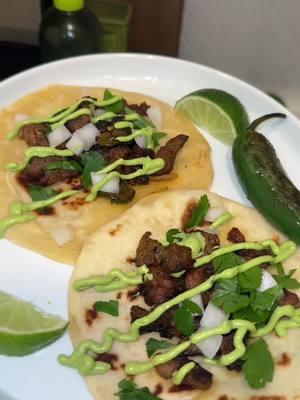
(251, 39)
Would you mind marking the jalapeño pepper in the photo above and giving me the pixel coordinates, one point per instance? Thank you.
(264, 180)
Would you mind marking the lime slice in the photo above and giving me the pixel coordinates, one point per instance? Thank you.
(25, 329)
(219, 113)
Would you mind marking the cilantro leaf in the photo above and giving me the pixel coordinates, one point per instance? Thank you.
(265, 300)
(70, 165)
(248, 313)
(184, 321)
(259, 365)
(192, 307)
(93, 161)
(279, 269)
(116, 107)
(153, 345)
(174, 234)
(157, 137)
(227, 296)
(199, 213)
(130, 391)
(250, 279)
(286, 281)
(38, 193)
(109, 307)
(226, 261)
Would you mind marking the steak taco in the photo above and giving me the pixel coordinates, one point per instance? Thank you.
(187, 295)
(78, 157)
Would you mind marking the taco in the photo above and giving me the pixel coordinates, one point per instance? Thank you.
(78, 157)
(187, 295)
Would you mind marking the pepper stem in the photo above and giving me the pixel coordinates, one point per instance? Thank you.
(264, 118)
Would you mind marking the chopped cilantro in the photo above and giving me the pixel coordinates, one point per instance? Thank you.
(130, 391)
(38, 193)
(70, 165)
(109, 307)
(259, 365)
(227, 295)
(117, 107)
(265, 300)
(93, 161)
(184, 321)
(250, 279)
(226, 261)
(157, 137)
(192, 307)
(286, 281)
(153, 345)
(174, 234)
(199, 213)
(248, 313)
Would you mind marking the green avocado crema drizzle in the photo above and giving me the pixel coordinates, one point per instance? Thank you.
(86, 365)
(60, 115)
(149, 167)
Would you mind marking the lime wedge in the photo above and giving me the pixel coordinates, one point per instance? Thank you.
(24, 328)
(219, 113)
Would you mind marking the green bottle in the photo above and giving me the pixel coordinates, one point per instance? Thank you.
(68, 29)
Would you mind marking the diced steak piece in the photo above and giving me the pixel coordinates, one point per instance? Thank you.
(37, 165)
(57, 175)
(35, 134)
(211, 241)
(248, 254)
(161, 288)
(102, 126)
(289, 298)
(78, 123)
(175, 258)
(139, 108)
(235, 236)
(148, 251)
(198, 276)
(227, 347)
(137, 152)
(169, 151)
(192, 351)
(117, 152)
(167, 369)
(198, 378)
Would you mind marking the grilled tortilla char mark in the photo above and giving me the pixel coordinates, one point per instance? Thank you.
(35, 135)
(289, 298)
(169, 151)
(197, 378)
(36, 172)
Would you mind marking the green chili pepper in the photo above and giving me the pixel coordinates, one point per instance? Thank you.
(264, 180)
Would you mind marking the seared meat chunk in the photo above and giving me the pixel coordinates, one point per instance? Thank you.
(139, 108)
(248, 255)
(161, 288)
(211, 241)
(78, 123)
(198, 378)
(235, 236)
(108, 137)
(36, 172)
(35, 135)
(289, 298)
(148, 251)
(102, 126)
(227, 347)
(192, 351)
(137, 151)
(169, 151)
(198, 275)
(117, 152)
(175, 258)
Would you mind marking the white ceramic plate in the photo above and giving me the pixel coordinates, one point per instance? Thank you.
(44, 282)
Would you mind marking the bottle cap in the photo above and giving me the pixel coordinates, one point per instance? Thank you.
(69, 5)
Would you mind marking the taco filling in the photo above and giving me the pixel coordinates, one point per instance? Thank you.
(199, 303)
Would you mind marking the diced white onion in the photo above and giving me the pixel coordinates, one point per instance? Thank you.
(214, 213)
(155, 114)
(198, 300)
(98, 112)
(209, 230)
(62, 235)
(212, 317)
(21, 117)
(141, 141)
(58, 136)
(267, 281)
(76, 145)
(88, 134)
(112, 186)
